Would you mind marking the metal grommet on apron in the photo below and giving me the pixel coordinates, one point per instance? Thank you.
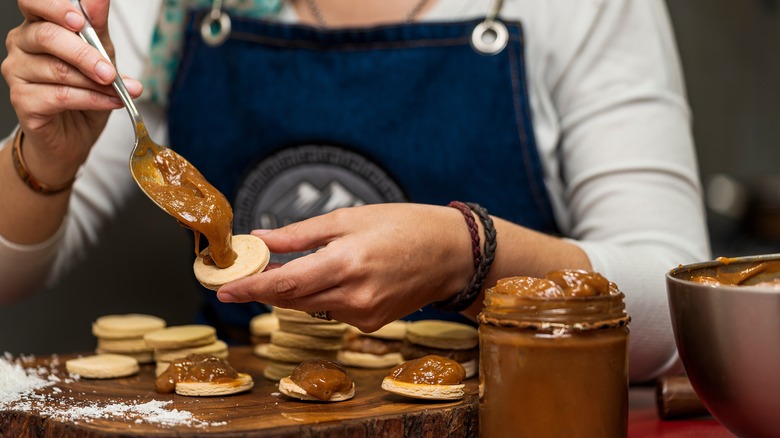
(490, 36)
(215, 27)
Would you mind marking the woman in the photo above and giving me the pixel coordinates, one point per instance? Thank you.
(566, 120)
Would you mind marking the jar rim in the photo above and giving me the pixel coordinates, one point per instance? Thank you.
(550, 314)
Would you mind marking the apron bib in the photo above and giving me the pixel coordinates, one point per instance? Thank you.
(289, 122)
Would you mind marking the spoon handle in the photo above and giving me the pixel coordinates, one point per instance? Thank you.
(89, 35)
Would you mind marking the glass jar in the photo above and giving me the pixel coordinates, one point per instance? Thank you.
(553, 367)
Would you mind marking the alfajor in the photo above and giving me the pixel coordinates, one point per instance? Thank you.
(431, 378)
(252, 256)
(318, 380)
(202, 375)
(261, 326)
(453, 340)
(126, 326)
(217, 348)
(181, 336)
(299, 338)
(299, 316)
(378, 349)
(124, 334)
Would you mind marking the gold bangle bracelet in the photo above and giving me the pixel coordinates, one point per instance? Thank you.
(24, 173)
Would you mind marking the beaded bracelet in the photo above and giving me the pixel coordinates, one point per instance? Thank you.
(24, 173)
(467, 296)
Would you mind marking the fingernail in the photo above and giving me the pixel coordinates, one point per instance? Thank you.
(260, 232)
(74, 20)
(115, 100)
(226, 297)
(104, 70)
(133, 86)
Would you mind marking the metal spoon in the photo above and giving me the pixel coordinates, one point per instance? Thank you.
(169, 180)
(142, 167)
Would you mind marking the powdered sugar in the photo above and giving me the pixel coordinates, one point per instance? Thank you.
(44, 391)
(16, 382)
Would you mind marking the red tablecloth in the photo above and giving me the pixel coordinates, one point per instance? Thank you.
(643, 420)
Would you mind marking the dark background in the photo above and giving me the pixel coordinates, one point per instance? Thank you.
(731, 55)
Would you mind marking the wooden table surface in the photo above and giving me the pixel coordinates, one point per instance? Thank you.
(264, 412)
(261, 412)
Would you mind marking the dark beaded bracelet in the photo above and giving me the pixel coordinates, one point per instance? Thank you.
(467, 296)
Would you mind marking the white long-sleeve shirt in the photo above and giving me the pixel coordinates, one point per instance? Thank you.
(612, 126)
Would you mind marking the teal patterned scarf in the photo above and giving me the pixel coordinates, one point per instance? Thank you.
(165, 51)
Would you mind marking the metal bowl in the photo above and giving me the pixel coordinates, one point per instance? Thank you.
(728, 338)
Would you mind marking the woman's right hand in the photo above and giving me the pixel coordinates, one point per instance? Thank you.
(60, 86)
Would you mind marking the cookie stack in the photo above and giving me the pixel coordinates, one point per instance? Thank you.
(171, 343)
(261, 327)
(124, 334)
(459, 342)
(378, 349)
(299, 338)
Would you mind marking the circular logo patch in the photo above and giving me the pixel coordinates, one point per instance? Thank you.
(305, 181)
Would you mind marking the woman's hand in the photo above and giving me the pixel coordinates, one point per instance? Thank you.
(375, 263)
(60, 86)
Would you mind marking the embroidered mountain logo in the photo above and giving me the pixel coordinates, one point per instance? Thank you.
(304, 181)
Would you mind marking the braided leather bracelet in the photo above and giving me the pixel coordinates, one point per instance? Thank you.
(24, 173)
(473, 230)
(467, 296)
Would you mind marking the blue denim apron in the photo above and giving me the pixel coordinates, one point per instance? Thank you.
(289, 122)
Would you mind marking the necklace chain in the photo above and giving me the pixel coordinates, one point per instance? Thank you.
(317, 14)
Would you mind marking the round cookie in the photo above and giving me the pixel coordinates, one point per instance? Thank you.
(394, 331)
(143, 357)
(325, 330)
(160, 367)
(217, 348)
(424, 391)
(276, 371)
(103, 366)
(369, 360)
(299, 316)
(365, 354)
(131, 325)
(471, 367)
(132, 345)
(442, 334)
(243, 383)
(291, 389)
(295, 340)
(253, 256)
(292, 355)
(263, 324)
(182, 336)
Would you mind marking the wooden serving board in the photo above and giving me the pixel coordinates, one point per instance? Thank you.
(262, 412)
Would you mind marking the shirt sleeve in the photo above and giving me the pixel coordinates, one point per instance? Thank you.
(101, 189)
(103, 185)
(23, 268)
(627, 186)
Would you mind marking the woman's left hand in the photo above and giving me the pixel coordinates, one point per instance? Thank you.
(375, 263)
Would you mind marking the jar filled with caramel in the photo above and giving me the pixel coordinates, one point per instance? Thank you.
(554, 357)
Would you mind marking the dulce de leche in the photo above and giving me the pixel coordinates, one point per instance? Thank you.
(321, 378)
(554, 357)
(195, 368)
(187, 196)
